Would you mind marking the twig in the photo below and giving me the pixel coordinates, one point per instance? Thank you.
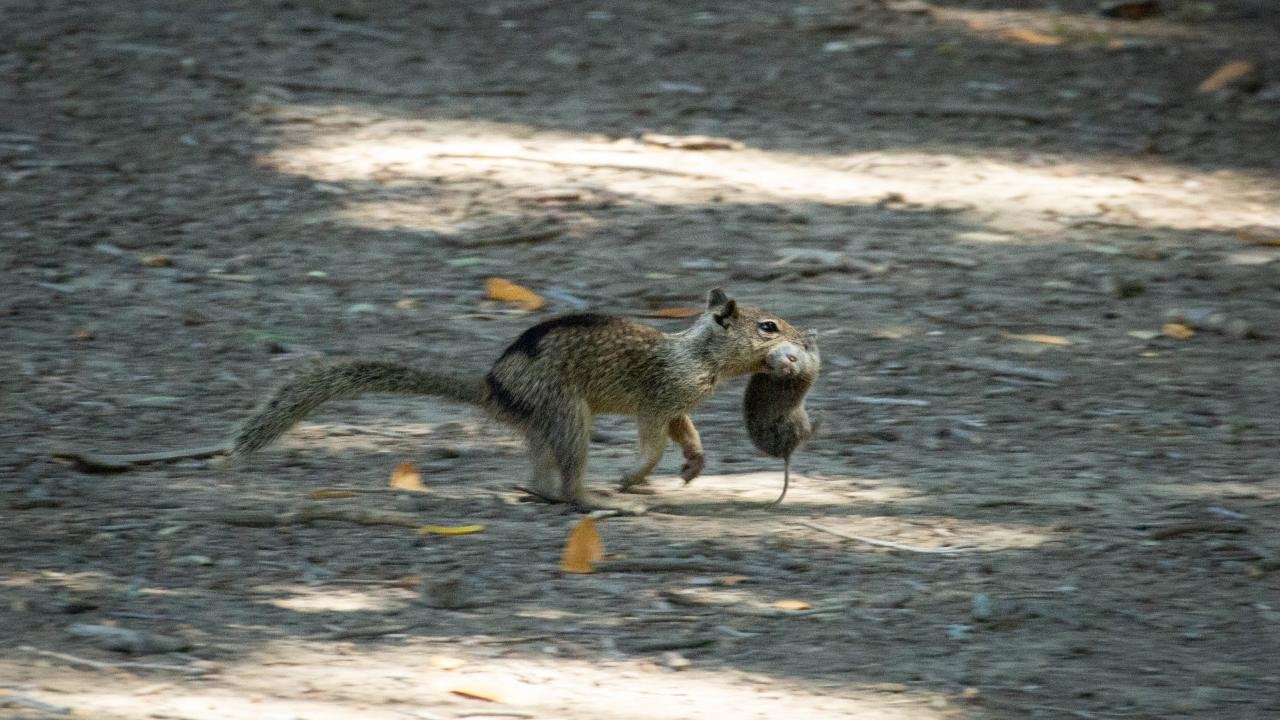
(1003, 112)
(318, 86)
(1000, 367)
(669, 643)
(100, 665)
(311, 513)
(535, 496)
(90, 462)
(869, 400)
(679, 565)
(7, 698)
(567, 163)
(364, 631)
(886, 543)
(1196, 526)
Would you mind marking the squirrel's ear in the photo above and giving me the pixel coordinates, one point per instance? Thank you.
(716, 298)
(725, 312)
(810, 339)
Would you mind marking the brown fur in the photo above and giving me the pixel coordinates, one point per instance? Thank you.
(773, 405)
(556, 376)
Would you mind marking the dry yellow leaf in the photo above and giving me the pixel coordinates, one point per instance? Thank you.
(1225, 75)
(583, 548)
(446, 662)
(676, 312)
(1177, 331)
(792, 605)
(407, 477)
(450, 529)
(733, 579)
(1042, 339)
(496, 288)
(328, 494)
(157, 261)
(1030, 37)
(479, 691)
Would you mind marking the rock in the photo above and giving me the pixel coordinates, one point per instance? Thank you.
(981, 607)
(124, 640)
(676, 661)
(448, 594)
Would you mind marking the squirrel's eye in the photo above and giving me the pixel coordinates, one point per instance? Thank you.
(768, 326)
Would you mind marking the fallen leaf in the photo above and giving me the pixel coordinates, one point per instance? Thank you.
(408, 582)
(84, 334)
(1143, 334)
(1038, 338)
(407, 304)
(496, 288)
(733, 579)
(407, 477)
(446, 662)
(1256, 237)
(479, 691)
(1132, 9)
(450, 529)
(1177, 331)
(157, 261)
(690, 142)
(1225, 75)
(1030, 37)
(675, 312)
(792, 605)
(326, 494)
(583, 548)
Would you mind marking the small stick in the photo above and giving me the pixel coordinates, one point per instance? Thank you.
(100, 665)
(91, 462)
(679, 565)
(886, 543)
(23, 701)
(311, 513)
(535, 496)
(1196, 526)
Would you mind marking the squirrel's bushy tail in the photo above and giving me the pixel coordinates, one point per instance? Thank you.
(313, 388)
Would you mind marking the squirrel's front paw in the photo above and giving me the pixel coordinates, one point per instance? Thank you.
(692, 467)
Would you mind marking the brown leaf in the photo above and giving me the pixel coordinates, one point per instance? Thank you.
(328, 494)
(1178, 331)
(477, 690)
(496, 288)
(690, 142)
(157, 261)
(407, 477)
(1030, 37)
(1264, 238)
(1225, 75)
(733, 579)
(675, 312)
(583, 548)
(792, 605)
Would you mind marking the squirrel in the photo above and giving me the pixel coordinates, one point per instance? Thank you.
(773, 405)
(557, 375)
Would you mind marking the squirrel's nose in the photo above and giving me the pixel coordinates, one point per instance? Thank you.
(791, 357)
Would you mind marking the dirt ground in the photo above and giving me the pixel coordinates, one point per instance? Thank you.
(1043, 265)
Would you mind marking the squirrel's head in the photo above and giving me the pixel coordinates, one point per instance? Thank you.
(749, 336)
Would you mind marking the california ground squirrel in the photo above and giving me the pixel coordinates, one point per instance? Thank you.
(773, 405)
(556, 376)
